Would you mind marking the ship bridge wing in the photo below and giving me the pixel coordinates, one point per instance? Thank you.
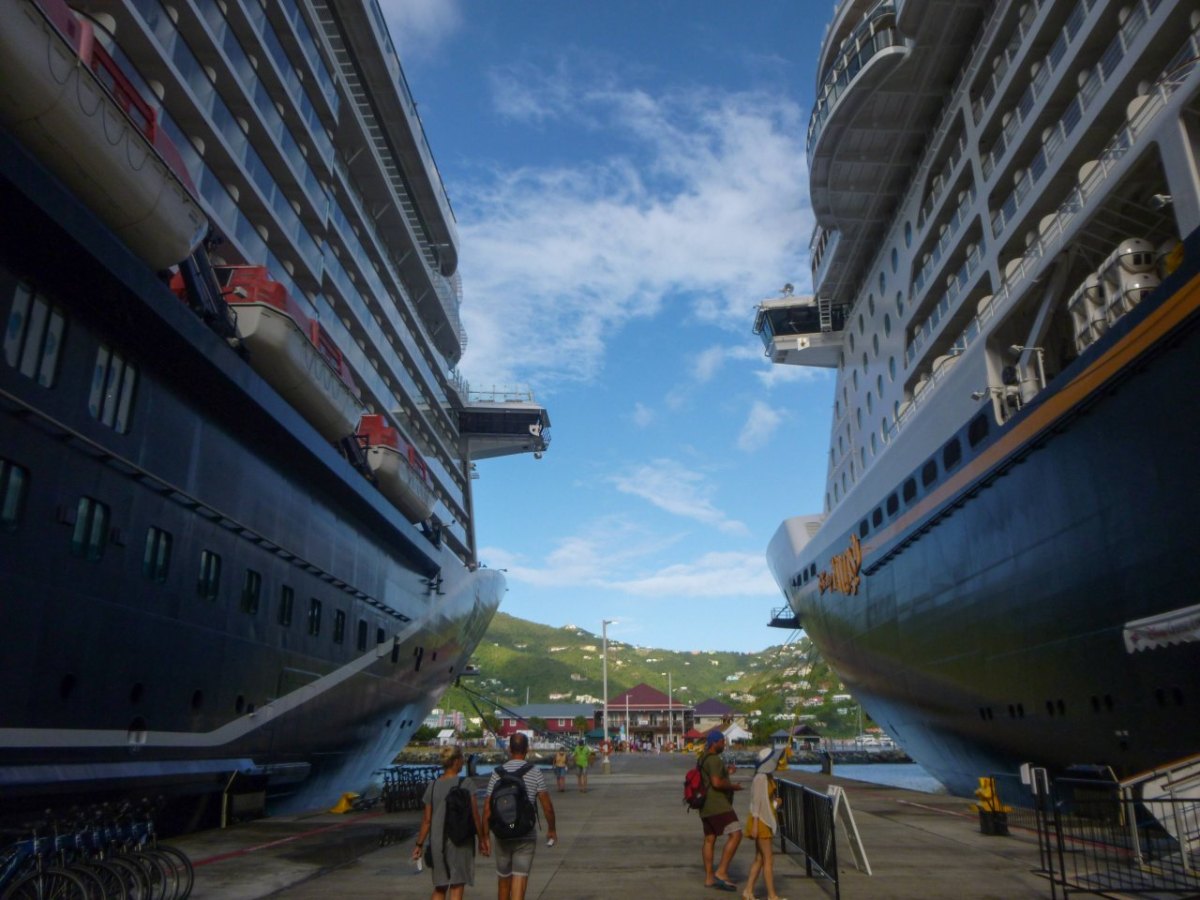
(503, 423)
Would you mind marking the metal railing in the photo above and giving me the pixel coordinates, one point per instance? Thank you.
(806, 823)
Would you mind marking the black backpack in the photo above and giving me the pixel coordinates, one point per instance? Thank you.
(460, 823)
(513, 814)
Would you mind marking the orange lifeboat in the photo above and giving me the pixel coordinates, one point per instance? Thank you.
(65, 98)
(398, 468)
(292, 351)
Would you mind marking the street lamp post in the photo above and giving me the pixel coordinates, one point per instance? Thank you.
(604, 623)
(670, 712)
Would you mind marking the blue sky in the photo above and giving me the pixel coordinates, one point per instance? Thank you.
(629, 181)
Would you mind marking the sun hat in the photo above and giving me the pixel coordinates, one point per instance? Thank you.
(714, 737)
(768, 758)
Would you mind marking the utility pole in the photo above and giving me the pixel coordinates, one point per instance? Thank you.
(605, 765)
(670, 712)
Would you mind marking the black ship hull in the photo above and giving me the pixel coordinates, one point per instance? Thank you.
(203, 587)
(985, 621)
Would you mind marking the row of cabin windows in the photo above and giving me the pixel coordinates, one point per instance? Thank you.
(33, 342)
(90, 537)
(951, 456)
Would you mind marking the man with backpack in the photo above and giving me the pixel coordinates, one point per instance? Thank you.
(510, 815)
(717, 813)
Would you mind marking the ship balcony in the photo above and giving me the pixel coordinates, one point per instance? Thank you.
(860, 65)
(822, 251)
(801, 331)
(503, 422)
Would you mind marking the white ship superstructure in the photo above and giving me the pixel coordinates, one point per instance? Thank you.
(997, 186)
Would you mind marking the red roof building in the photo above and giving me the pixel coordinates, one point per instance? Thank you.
(646, 718)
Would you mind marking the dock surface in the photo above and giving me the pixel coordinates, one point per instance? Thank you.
(628, 836)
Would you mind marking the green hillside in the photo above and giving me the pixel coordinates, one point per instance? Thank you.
(518, 659)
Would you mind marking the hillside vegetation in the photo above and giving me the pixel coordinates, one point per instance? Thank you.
(521, 661)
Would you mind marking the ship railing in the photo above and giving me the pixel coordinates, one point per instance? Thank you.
(502, 393)
(1073, 114)
(864, 43)
(938, 185)
(943, 309)
(933, 145)
(948, 237)
(1054, 229)
(1049, 64)
(1005, 58)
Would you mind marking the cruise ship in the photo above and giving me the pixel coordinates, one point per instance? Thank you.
(1005, 278)
(237, 556)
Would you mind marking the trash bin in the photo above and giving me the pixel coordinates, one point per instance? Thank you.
(993, 822)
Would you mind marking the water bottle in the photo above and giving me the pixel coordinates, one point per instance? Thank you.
(419, 865)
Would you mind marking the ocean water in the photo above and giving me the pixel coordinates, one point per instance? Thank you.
(909, 776)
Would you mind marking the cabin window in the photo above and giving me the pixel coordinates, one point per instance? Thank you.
(863, 528)
(909, 491)
(208, 585)
(156, 561)
(314, 616)
(113, 383)
(362, 634)
(380, 637)
(929, 473)
(287, 601)
(90, 535)
(893, 505)
(877, 517)
(34, 336)
(339, 626)
(978, 430)
(951, 454)
(251, 592)
(13, 481)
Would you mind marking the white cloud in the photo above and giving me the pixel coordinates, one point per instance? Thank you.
(776, 374)
(720, 574)
(642, 415)
(418, 27)
(706, 198)
(677, 490)
(760, 424)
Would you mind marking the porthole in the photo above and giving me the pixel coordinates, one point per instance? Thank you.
(874, 443)
(893, 504)
(854, 378)
(895, 260)
(851, 342)
(887, 325)
(875, 344)
(881, 282)
(197, 700)
(951, 454)
(861, 326)
(870, 402)
(879, 385)
(978, 430)
(871, 304)
(892, 368)
(239, 705)
(929, 473)
(908, 234)
(877, 517)
(837, 408)
(865, 363)
(858, 417)
(900, 304)
(883, 429)
(909, 490)
(863, 528)
(862, 457)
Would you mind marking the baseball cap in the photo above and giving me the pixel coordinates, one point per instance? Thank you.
(714, 737)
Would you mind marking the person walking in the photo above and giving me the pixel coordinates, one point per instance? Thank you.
(762, 824)
(560, 768)
(514, 856)
(717, 815)
(451, 866)
(583, 759)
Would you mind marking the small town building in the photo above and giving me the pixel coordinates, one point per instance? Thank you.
(644, 717)
(553, 718)
(712, 713)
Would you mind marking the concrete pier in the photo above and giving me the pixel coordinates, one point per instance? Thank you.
(629, 836)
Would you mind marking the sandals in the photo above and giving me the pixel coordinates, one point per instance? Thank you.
(722, 885)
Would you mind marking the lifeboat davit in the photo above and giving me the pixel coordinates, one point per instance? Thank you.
(399, 470)
(65, 98)
(292, 351)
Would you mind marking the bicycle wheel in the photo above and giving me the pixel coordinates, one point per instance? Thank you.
(183, 868)
(137, 887)
(49, 884)
(91, 881)
(167, 871)
(156, 881)
(112, 884)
